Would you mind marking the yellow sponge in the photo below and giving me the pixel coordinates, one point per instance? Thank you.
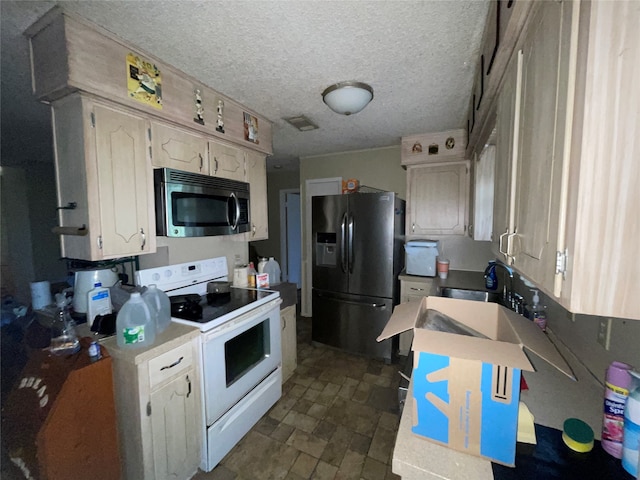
(577, 435)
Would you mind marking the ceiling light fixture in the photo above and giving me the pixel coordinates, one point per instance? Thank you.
(347, 98)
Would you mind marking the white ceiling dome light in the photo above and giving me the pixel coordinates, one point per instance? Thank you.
(347, 98)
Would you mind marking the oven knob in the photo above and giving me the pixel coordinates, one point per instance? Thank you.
(155, 277)
(167, 273)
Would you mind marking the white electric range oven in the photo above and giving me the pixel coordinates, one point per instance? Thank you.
(241, 359)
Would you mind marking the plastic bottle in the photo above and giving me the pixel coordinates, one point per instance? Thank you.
(631, 443)
(273, 269)
(161, 306)
(64, 340)
(135, 325)
(616, 390)
(251, 275)
(537, 313)
(490, 276)
(98, 302)
(261, 264)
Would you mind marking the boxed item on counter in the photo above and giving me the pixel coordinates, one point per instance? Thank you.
(466, 387)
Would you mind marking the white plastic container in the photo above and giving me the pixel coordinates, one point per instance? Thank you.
(135, 325)
(273, 269)
(261, 264)
(98, 302)
(421, 257)
(161, 306)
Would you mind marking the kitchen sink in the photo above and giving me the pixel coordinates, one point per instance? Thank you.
(469, 294)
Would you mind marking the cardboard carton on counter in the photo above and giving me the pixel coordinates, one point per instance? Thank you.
(466, 389)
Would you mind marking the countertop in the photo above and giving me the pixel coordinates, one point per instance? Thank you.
(288, 293)
(552, 397)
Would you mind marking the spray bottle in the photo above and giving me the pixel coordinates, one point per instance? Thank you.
(538, 315)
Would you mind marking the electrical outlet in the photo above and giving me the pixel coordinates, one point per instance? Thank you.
(604, 333)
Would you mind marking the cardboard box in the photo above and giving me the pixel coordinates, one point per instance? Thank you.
(466, 389)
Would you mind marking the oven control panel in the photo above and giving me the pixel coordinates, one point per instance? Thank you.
(182, 275)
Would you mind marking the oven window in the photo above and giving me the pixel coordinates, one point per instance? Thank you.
(245, 350)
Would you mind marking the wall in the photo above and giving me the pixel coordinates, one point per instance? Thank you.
(30, 252)
(276, 181)
(580, 332)
(171, 251)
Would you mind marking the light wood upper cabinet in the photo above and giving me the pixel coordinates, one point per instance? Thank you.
(507, 121)
(177, 148)
(545, 56)
(257, 177)
(565, 128)
(226, 161)
(437, 199)
(103, 168)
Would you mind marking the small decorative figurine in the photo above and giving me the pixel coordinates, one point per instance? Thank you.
(220, 121)
(199, 118)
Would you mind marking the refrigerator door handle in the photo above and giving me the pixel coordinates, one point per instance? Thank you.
(351, 229)
(353, 302)
(343, 246)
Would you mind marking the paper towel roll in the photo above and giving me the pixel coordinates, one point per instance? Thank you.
(40, 295)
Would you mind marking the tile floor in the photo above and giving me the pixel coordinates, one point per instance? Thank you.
(337, 419)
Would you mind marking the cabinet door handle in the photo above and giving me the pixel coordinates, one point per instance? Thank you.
(148, 408)
(500, 244)
(144, 239)
(201, 161)
(189, 384)
(413, 227)
(215, 162)
(166, 367)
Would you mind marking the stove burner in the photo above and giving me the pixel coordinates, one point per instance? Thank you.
(186, 306)
(218, 299)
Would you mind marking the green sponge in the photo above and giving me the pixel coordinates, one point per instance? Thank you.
(577, 435)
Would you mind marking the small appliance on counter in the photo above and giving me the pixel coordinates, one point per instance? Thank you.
(421, 257)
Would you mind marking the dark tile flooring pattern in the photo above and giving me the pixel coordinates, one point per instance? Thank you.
(337, 419)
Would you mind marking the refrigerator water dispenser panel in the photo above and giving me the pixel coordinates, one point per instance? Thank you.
(326, 254)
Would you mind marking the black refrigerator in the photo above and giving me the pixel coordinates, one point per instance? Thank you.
(357, 257)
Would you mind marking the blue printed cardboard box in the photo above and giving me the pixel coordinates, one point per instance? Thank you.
(466, 387)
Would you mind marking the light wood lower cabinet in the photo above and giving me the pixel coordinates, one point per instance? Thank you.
(257, 177)
(173, 147)
(412, 291)
(289, 341)
(158, 400)
(437, 199)
(104, 179)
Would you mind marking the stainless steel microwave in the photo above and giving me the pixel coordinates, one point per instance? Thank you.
(194, 205)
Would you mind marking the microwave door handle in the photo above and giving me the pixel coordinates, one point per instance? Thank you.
(237, 217)
(343, 243)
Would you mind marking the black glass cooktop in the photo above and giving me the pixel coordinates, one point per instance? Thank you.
(205, 308)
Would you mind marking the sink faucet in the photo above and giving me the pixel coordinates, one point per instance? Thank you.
(507, 291)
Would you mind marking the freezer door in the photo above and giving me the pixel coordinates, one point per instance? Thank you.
(329, 215)
(371, 244)
(351, 323)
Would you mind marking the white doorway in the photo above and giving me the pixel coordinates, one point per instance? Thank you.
(291, 236)
(315, 187)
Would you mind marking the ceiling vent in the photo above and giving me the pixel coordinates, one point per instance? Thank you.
(302, 123)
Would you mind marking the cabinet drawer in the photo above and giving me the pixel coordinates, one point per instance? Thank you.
(416, 288)
(169, 364)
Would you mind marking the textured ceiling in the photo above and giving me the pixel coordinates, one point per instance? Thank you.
(276, 57)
